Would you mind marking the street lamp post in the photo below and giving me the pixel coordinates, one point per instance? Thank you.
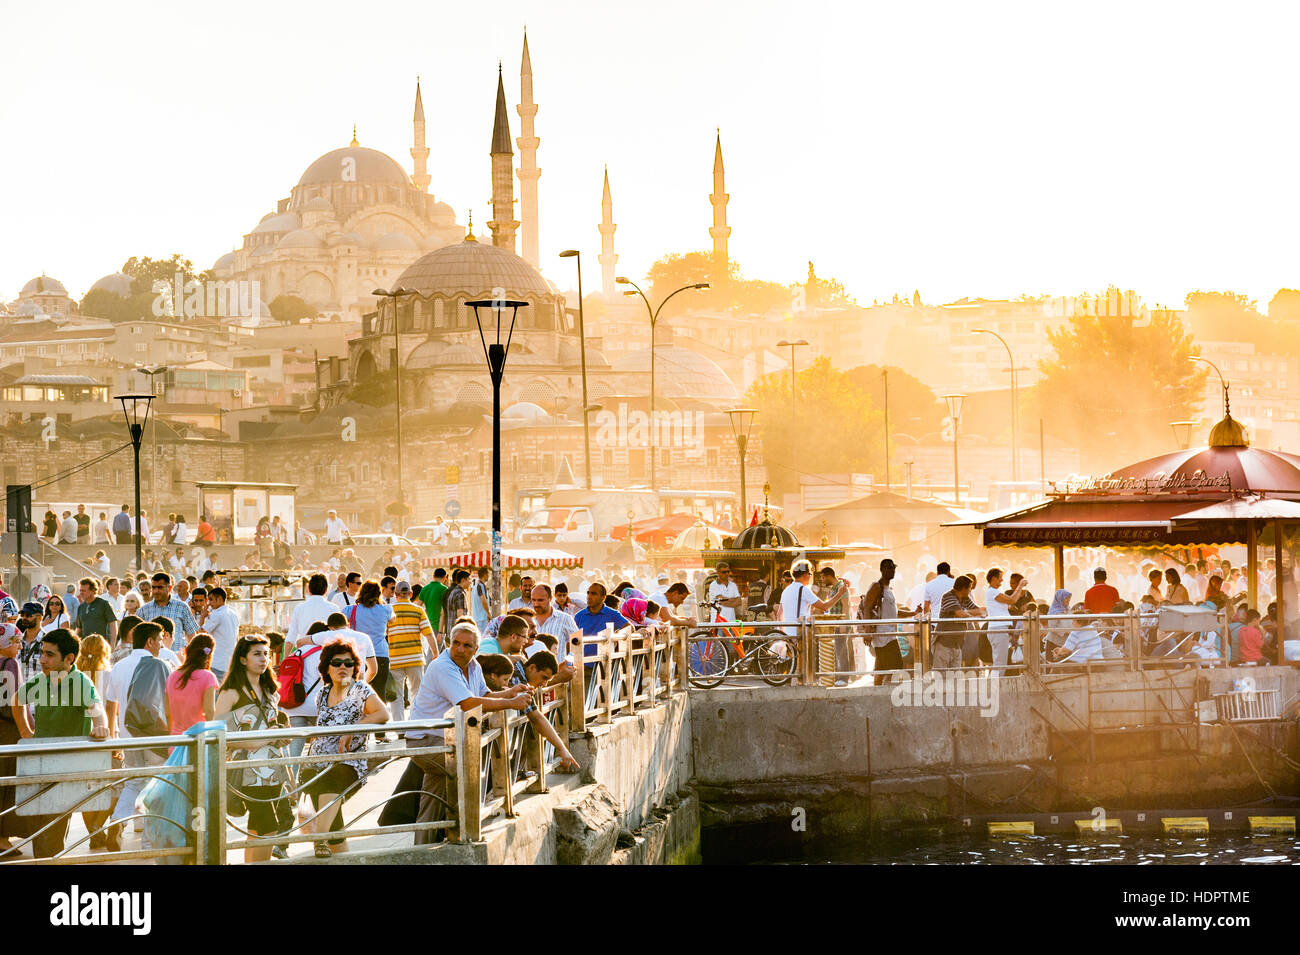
(794, 425)
(496, 354)
(395, 294)
(136, 410)
(1015, 405)
(582, 351)
(884, 374)
(742, 423)
(1224, 383)
(654, 319)
(151, 371)
(954, 412)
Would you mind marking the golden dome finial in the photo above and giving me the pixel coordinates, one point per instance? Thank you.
(825, 540)
(767, 491)
(469, 236)
(1229, 433)
(354, 136)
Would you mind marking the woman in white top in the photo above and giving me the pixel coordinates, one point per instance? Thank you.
(997, 607)
(181, 533)
(100, 562)
(56, 615)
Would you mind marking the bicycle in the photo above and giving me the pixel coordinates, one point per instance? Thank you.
(737, 650)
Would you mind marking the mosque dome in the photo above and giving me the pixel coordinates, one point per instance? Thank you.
(395, 241)
(347, 238)
(225, 263)
(278, 222)
(368, 165)
(44, 285)
(301, 239)
(473, 269)
(526, 411)
(118, 283)
(681, 372)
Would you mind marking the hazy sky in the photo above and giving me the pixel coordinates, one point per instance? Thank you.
(959, 149)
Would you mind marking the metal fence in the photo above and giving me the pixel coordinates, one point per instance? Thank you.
(824, 650)
(625, 670)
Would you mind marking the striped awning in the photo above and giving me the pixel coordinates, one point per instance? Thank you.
(510, 560)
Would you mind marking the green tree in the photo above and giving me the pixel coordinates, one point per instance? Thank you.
(913, 407)
(290, 309)
(1113, 386)
(828, 293)
(1285, 305)
(838, 428)
(143, 303)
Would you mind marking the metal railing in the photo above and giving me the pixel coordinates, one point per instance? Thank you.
(628, 669)
(1132, 640)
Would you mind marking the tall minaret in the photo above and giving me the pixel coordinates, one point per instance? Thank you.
(503, 222)
(607, 258)
(419, 152)
(528, 171)
(720, 230)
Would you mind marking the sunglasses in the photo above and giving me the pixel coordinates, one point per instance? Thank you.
(345, 664)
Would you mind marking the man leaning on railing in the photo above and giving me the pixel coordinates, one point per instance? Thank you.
(879, 603)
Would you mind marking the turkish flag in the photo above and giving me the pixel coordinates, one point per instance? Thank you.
(753, 522)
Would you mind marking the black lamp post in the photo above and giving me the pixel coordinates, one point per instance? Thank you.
(654, 320)
(136, 410)
(742, 423)
(496, 354)
(1015, 405)
(794, 426)
(395, 294)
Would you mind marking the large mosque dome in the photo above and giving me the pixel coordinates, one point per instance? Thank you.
(680, 372)
(44, 285)
(354, 164)
(473, 269)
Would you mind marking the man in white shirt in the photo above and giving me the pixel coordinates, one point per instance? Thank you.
(335, 529)
(68, 529)
(546, 619)
(347, 596)
(525, 598)
(314, 608)
(223, 626)
(141, 525)
(725, 591)
(798, 600)
(338, 630)
(114, 595)
(439, 532)
(938, 586)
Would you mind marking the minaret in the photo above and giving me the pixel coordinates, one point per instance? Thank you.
(720, 230)
(503, 222)
(419, 152)
(528, 171)
(607, 258)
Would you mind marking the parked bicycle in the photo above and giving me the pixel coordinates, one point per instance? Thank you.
(737, 650)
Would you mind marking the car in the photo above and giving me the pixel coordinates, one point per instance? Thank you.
(423, 533)
(382, 540)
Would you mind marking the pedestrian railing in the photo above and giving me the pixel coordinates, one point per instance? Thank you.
(756, 652)
(626, 670)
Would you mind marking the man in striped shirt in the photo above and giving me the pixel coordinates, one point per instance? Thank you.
(408, 629)
(173, 608)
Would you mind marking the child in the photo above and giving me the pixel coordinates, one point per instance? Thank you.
(1252, 639)
(497, 670)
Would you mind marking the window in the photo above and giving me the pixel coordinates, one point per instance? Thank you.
(665, 458)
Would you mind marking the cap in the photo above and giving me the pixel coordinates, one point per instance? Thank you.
(33, 609)
(403, 587)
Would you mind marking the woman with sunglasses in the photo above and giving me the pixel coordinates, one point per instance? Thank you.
(56, 615)
(342, 700)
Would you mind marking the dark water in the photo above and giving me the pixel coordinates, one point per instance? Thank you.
(934, 848)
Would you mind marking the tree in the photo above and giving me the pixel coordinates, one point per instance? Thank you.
(143, 302)
(826, 293)
(683, 268)
(1229, 317)
(290, 309)
(1285, 305)
(913, 407)
(1114, 386)
(377, 391)
(677, 269)
(838, 427)
(145, 271)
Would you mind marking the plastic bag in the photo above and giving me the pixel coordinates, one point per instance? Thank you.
(169, 800)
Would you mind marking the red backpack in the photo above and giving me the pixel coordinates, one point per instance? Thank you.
(293, 691)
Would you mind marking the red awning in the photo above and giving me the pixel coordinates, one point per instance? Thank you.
(510, 560)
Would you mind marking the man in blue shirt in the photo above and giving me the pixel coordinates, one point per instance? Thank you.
(174, 609)
(453, 679)
(596, 617)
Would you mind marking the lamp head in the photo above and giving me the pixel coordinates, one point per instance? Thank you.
(568, 253)
(623, 280)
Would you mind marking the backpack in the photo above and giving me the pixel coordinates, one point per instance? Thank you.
(293, 691)
(146, 707)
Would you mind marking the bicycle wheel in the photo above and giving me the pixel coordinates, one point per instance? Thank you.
(707, 659)
(777, 660)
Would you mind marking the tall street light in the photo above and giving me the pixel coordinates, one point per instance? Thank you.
(794, 426)
(954, 412)
(395, 294)
(136, 410)
(1015, 405)
(582, 350)
(742, 423)
(654, 319)
(587, 410)
(495, 354)
(884, 375)
(151, 371)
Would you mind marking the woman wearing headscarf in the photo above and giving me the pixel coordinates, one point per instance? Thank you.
(634, 609)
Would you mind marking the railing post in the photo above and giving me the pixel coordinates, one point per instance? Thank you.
(1133, 640)
(921, 651)
(469, 774)
(807, 653)
(578, 687)
(651, 670)
(537, 760)
(501, 777)
(1033, 643)
(607, 677)
(682, 649)
(629, 668)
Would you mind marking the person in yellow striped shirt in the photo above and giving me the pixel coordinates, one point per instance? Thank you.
(408, 630)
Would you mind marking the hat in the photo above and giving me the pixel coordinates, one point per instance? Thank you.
(663, 577)
(403, 587)
(33, 609)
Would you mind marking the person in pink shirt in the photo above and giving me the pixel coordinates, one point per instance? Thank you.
(192, 688)
(1252, 639)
